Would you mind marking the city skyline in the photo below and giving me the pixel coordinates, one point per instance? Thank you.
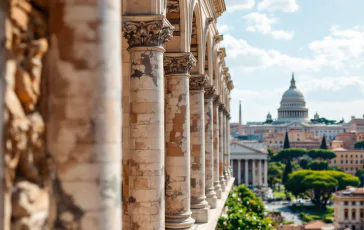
(322, 42)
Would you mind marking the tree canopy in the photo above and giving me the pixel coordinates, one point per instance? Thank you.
(318, 165)
(321, 154)
(289, 154)
(323, 143)
(359, 145)
(304, 163)
(319, 185)
(360, 175)
(275, 172)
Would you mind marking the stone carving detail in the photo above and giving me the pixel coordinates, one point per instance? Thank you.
(173, 6)
(148, 33)
(217, 100)
(198, 82)
(194, 30)
(218, 38)
(179, 64)
(26, 162)
(209, 92)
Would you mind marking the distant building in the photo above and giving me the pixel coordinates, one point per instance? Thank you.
(348, 160)
(357, 124)
(249, 161)
(349, 209)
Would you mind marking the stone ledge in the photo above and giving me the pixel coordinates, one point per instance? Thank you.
(215, 213)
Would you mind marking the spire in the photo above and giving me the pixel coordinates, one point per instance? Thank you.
(293, 82)
(239, 117)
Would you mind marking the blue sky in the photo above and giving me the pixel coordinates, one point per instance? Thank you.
(321, 41)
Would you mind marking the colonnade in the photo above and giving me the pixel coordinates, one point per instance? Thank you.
(251, 172)
(293, 114)
(135, 121)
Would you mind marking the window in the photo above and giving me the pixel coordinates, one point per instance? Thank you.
(361, 213)
(361, 202)
(353, 203)
(346, 161)
(353, 214)
(335, 162)
(342, 162)
(346, 202)
(356, 161)
(356, 156)
(346, 156)
(351, 162)
(346, 214)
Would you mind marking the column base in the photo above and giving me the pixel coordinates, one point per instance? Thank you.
(222, 183)
(180, 221)
(211, 197)
(218, 190)
(201, 215)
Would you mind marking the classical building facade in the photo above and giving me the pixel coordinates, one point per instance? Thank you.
(292, 115)
(349, 209)
(249, 162)
(115, 114)
(348, 160)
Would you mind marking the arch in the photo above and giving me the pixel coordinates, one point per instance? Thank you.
(196, 42)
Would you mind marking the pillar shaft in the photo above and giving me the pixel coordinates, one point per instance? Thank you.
(216, 126)
(177, 138)
(147, 145)
(85, 138)
(246, 172)
(221, 148)
(209, 147)
(239, 172)
(198, 198)
(260, 175)
(3, 14)
(266, 173)
(253, 172)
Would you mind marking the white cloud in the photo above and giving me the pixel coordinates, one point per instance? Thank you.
(257, 22)
(235, 5)
(223, 28)
(279, 5)
(341, 45)
(242, 55)
(310, 83)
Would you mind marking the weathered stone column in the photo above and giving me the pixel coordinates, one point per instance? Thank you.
(222, 147)
(239, 172)
(209, 147)
(199, 204)
(260, 181)
(178, 198)
(228, 142)
(227, 157)
(226, 164)
(253, 172)
(216, 126)
(3, 13)
(146, 36)
(84, 123)
(266, 173)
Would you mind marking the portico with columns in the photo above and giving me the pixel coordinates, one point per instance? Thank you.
(249, 165)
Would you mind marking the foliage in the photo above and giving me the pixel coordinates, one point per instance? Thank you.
(289, 154)
(244, 211)
(286, 144)
(321, 154)
(275, 172)
(359, 145)
(287, 171)
(270, 153)
(319, 185)
(324, 120)
(310, 213)
(318, 165)
(335, 168)
(304, 163)
(295, 166)
(360, 175)
(323, 143)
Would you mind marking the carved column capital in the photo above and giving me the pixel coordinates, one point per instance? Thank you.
(198, 82)
(221, 107)
(217, 100)
(178, 63)
(147, 30)
(209, 92)
(218, 38)
(173, 6)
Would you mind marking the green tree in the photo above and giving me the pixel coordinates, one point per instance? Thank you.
(286, 155)
(270, 154)
(323, 143)
(287, 171)
(359, 145)
(319, 185)
(335, 168)
(318, 165)
(304, 163)
(323, 154)
(275, 173)
(286, 144)
(245, 211)
(360, 174)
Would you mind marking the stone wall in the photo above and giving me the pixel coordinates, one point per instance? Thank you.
(26, 166)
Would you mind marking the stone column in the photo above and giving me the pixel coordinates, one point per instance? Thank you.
(239, 172)
(216, 126)
(3, 13)
(222, 147)
(246, 172)
(177, 138)
(226, 164)
(228, 168)
(209, 147)
(146, 36)
(266, 173)
(253, 172)
(84, 119)
(199, 204)
(260, 173)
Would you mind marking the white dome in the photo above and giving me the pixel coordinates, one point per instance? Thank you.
(293, 94)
